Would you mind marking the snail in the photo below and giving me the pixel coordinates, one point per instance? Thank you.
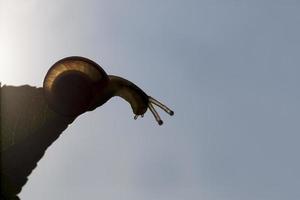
(74, 85)
(32, 118)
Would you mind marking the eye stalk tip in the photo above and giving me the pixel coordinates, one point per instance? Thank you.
(160, 105)
(160, 122)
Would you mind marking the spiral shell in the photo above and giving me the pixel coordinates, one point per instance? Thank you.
(70, 83)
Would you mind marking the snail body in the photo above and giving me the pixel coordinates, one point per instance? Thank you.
(33, 118)
(75, 85)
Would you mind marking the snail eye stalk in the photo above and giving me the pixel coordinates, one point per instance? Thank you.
(160, 105)
(156, 115)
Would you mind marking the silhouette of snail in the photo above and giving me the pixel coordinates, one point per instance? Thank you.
(74, 85)
(33, 118)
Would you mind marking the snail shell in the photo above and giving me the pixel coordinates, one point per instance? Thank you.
(69, 85)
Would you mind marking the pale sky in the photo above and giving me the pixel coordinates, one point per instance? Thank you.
(229, 69)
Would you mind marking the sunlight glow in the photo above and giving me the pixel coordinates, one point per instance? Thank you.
(15, 41)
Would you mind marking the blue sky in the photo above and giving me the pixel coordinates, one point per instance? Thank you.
(229, 69)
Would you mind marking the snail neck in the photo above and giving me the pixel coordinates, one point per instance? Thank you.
(127, 90)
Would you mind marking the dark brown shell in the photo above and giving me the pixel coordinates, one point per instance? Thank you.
(70, 84)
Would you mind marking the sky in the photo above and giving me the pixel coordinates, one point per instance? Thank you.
(229, 70)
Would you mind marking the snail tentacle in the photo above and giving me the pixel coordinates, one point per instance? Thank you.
(162, 106)
(155, 114)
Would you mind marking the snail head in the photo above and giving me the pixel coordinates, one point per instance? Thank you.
(136, 97)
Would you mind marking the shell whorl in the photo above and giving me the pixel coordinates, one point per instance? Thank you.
(70, 83)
